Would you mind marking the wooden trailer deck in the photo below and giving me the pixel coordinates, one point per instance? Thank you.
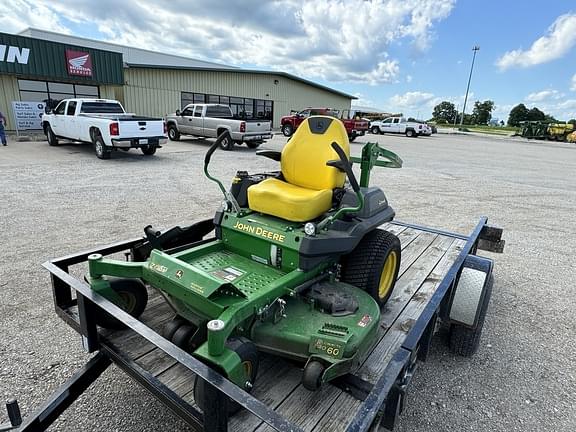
(426, 259)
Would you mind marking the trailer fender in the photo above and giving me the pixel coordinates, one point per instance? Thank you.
(470, 289)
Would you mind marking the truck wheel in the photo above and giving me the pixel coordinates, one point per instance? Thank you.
(373, 265)
(134, 299)
(148, 150)
(52, 140)
(227, 143)
(287, 130)
(375, 130)
(101, 151)
(410, 133)
(465, 341)
(248, 354)
(173, 133)
(253, 144)
(312, 376)
(352, 137)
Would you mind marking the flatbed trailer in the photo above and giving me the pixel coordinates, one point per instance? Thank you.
(432, 261)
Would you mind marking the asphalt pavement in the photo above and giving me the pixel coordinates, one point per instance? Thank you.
(59, 200)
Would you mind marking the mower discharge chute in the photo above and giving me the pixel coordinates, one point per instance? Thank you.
(298, 267)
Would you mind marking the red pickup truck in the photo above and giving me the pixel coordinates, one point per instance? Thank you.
(354, 127)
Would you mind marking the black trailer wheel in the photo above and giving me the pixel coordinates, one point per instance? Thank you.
(134, 299)
(227, 143)
(253, 144)
(249, 357)
(52, 140)
(312, 376)
(465, 341)
(171, 327)
(100, 149)
(374, 264)
(173, 133)
(148, 150)
(287, 130)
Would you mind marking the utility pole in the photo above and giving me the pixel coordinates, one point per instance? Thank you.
(475, 49)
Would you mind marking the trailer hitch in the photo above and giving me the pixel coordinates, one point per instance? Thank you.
(14, 416)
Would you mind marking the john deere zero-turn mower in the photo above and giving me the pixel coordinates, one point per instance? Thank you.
(298, 267)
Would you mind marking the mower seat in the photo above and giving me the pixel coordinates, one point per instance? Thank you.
(306, 189)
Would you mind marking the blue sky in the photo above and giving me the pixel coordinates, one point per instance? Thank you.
(397, 55)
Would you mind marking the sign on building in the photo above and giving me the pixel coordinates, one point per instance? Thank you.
(78, 63)
(28, 115)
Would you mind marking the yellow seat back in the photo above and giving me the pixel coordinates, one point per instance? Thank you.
(304, 157)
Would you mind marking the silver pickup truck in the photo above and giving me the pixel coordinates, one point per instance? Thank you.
(210, 120)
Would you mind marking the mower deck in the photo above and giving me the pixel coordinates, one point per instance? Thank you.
(430, 262)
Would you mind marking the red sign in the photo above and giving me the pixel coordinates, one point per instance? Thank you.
(78, 63)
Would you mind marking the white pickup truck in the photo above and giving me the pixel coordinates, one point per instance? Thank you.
(210, 120)
(104, 123)
(399, 125)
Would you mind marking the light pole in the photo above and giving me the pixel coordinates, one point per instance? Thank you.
(475, 49)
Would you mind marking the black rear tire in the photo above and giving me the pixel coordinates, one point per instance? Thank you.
(100, 149)
(249, 357)
(464, 341)
(287, 130)
(373, 265)
(52, 140)
(227, 143)
(312, 376)
(135, 297)
(149, 150)
(173, 133)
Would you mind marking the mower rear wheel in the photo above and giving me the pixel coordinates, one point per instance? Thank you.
(134, 299)
(373, 265)
(248, 354)
(312, 376)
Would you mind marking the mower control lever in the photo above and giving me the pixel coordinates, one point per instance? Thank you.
(214, 146)
(345, 165)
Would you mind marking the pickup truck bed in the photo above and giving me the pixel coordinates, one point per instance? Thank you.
(431, 262)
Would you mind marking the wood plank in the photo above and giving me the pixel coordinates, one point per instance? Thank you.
(178, 378)
(339, 414)
(156, 361)
(412, 250)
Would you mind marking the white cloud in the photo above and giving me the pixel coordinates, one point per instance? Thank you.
(561, 37)
(411, 101)
(408, 78)
(544, 95)
(362, 100)
(343, 41)
(573, 83)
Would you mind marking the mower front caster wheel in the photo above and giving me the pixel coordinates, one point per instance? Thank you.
(249, 358)
(134, 299)
(312, 376)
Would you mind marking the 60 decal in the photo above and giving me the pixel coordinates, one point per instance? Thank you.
(321, 346)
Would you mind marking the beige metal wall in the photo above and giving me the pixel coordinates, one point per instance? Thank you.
(8, 93)
(156, 92)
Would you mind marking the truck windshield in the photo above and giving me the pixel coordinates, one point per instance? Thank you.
(222, 111)
(101, 108)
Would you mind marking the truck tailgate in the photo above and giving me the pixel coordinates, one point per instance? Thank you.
(141, 128)
(257, 126)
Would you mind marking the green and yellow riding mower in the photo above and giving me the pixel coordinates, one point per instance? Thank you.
(298, 267)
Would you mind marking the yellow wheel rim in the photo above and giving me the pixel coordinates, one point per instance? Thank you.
(387, 276)
(247, 369)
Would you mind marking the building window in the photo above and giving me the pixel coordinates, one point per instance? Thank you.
(247, 108)
(52, 92)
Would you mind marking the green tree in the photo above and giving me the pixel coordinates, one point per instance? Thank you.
(483, 111)
(534, 114)
(550, 118)
(517, 114)
(572, 121)
(446, 111)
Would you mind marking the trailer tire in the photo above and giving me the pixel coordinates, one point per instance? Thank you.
(249, 357)
(135, 296)
(374, 264)
(173, 133)
(464, 341)
(312, 376)
(100, 148)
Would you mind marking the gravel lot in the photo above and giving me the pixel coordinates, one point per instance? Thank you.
(60, 200)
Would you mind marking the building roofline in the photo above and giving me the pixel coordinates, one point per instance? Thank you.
(219, 65)
(240, 70)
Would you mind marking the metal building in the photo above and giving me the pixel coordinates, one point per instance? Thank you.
(40, 66)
